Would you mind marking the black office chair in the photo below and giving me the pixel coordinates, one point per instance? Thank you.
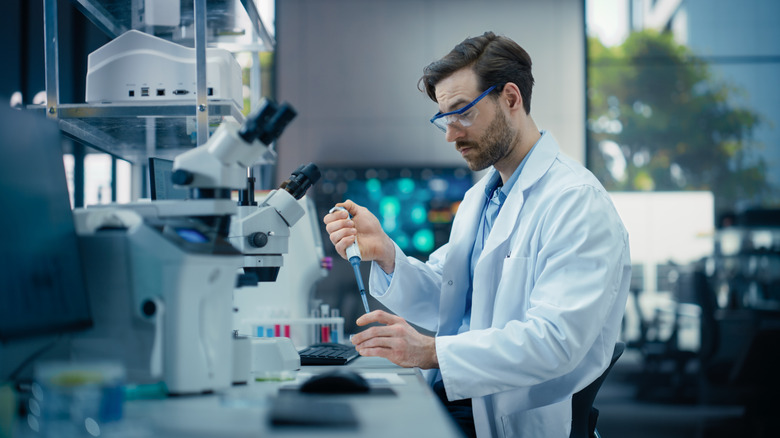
(584, 415)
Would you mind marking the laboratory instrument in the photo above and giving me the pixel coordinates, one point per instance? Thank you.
(154, 14)
(173, 264)
(273, 358)
(284, 306)
(263, 358)
(138, 67)
(262, 233)
(353, 255)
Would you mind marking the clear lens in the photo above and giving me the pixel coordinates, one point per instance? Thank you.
(463, 120)
(441, 123)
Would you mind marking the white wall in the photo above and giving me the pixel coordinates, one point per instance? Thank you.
(350, 68)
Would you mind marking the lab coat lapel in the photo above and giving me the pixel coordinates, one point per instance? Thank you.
(457, 267)
(505, 222)
(540, 160)
(488, 270)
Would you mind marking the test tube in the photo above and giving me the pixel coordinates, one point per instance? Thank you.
(334, 333)
(315, 331)
(324, 328)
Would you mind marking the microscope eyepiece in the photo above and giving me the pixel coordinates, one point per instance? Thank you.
(255, 123)
(273, 129)
(301, 179)
(267, 122)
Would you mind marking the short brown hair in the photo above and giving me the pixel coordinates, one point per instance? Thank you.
(495, 59)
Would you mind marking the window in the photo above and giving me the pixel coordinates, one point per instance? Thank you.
(686, 98)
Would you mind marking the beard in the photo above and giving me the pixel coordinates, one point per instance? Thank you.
(494, 144)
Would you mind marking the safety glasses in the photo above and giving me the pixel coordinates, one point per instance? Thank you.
(461, 117)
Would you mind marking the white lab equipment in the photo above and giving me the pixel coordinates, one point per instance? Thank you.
(242, 359)
(138, 67)
(155, 13)
(262, 233)
(176, 255)
(287, 300)
(180, 265)
(273, 357)
(263, 358)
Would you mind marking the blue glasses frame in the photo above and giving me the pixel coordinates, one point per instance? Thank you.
(442, 124)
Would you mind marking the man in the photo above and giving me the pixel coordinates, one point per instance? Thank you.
(527, 297)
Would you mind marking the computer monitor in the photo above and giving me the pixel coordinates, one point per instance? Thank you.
(42, 289)
(415, 205)
(160, 172)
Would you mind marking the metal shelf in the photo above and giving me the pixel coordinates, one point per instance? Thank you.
(125, 130)
(113, 17)
(135, 131)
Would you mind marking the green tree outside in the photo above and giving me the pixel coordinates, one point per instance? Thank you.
(659, 120)
(266, 60)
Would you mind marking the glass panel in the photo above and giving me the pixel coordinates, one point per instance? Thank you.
(686, 99)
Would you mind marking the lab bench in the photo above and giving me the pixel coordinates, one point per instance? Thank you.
(404, 408)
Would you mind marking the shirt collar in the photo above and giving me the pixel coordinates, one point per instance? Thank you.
(495, 179)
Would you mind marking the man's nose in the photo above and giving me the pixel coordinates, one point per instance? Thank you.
(454, 132)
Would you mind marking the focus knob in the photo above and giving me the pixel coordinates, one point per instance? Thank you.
(258, 240)
(182, 177)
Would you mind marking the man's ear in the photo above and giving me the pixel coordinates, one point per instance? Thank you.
(511, 95)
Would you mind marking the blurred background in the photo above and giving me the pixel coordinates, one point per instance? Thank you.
(673, 104)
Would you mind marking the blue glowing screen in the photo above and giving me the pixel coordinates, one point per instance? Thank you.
(191, 235)
(415, 205)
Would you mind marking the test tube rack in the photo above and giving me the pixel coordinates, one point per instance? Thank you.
(302, 331)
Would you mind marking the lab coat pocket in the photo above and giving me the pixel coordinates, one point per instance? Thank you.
(515, 266)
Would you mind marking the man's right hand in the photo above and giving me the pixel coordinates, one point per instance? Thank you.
(373, 242)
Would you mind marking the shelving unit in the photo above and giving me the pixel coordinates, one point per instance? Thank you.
(135, 131)
(745, 269)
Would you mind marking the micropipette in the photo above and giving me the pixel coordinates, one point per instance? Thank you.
(353, 255)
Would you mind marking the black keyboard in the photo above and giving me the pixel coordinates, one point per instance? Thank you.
(328, 354)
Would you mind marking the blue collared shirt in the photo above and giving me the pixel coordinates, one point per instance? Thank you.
(495, 195)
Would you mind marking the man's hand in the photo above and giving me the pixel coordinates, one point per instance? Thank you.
(396, 341)
(373, 242)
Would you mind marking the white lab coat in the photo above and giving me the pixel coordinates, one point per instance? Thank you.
(549, 293)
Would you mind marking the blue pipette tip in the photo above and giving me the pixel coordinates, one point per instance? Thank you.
(355, 262)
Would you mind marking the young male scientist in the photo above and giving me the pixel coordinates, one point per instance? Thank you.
(526, 298)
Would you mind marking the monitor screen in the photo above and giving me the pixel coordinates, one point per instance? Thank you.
(160, 172)
(415, 205)
(42, 288)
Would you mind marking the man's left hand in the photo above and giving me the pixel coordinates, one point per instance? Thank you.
(396, 341)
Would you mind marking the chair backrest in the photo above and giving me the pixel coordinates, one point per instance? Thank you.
(584, 415)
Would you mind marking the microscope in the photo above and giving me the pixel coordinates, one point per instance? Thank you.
(161, 274)
(262, 233)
